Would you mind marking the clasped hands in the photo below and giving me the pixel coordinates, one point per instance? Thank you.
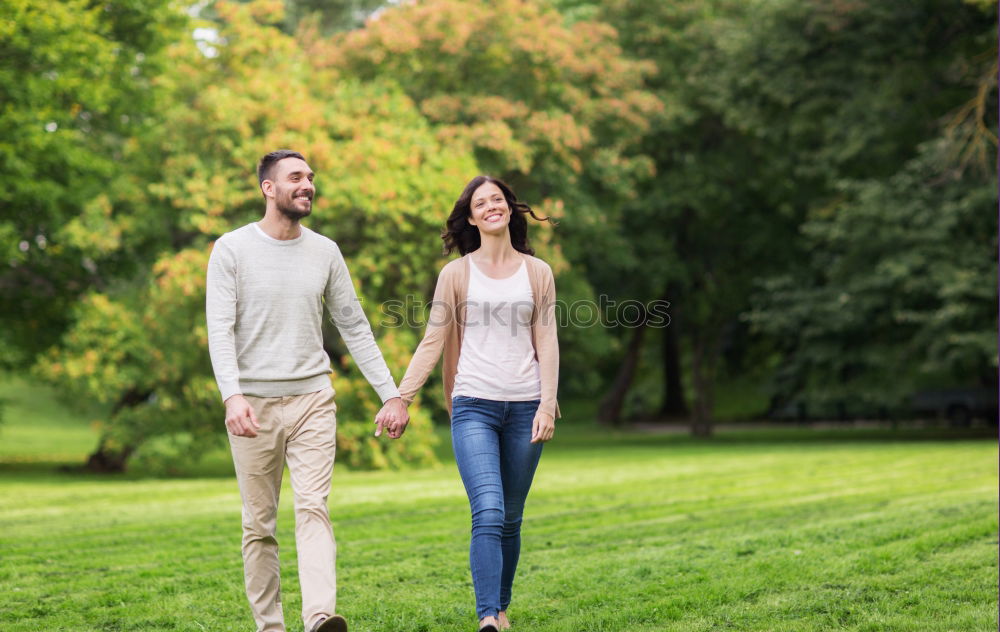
(392, 418)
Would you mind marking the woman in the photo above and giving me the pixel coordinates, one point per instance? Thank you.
(493, 318)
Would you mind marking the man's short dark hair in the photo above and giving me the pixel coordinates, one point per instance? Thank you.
(265, 168)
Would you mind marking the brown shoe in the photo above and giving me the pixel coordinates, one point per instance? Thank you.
(336, 623)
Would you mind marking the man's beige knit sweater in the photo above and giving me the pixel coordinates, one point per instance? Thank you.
(264, 304)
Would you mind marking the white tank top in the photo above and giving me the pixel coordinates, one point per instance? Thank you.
(497, 360)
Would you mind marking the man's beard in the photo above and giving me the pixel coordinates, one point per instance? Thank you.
(287, 208)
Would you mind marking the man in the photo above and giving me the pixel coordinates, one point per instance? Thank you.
(267, 285)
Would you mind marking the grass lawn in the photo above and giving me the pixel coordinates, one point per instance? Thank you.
(628, 533)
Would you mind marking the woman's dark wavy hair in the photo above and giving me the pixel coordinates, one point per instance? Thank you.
(460, 234)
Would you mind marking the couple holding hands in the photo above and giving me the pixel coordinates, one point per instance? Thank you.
(493, 323)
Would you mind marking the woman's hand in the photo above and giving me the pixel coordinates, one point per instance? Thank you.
(543, 427)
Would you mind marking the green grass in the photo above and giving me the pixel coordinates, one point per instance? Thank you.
(623, 532)
(36, 428)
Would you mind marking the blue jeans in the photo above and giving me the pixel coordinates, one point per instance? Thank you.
(495, 456)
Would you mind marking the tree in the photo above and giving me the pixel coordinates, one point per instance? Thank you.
(695, 235)
(323, 16)
(881, 299)
(555, 109)
(331, 16)
(385, 184)
(75, 77)
(899, 289)
(540, 103)
(770, 105)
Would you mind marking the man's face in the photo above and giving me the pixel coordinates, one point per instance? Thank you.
(292, 188)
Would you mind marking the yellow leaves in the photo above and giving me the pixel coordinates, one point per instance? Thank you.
(542, 234)
(93, 356)
(458, 38)
(442, 108)
(498, 137)
(262, 11)
(509, 79)
(181, 274)
(88, 362)
(552, 207)
(560, 130)
(94, 231)
(101, 304)
(201, 335)
(267, 11)
(249, 32)
(491, 107)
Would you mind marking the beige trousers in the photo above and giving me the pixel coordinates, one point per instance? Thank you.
(302, 430)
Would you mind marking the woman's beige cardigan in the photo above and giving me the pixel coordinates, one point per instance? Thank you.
(447, 322)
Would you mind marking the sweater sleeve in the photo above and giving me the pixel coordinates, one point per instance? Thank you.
(547, 345)
(439, 322)
(346, 313)
(220, 314)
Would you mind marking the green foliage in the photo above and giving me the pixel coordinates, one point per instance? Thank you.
(896, 281)
(902, 274)
(324, 16)
(769, 108)
(76, 79)
(331, 16)
(555, 109)
(145, 356)
(384, 184)
(845, 90)
(763, 159)
(706, 226)
(569, 116)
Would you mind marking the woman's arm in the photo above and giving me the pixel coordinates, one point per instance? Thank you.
(547, 345)
(439, 322)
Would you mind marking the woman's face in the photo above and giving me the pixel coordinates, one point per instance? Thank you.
(488, 209)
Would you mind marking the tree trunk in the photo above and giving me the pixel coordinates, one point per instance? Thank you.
(108, 460)
(110, 457)
(610, 410)
(673, 400)
(701, 419)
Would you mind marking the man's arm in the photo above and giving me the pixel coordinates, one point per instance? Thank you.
(346, 313)
(220, 313)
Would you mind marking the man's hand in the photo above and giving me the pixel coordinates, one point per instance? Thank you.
(393, 418)
(542, 427)
(240, 418)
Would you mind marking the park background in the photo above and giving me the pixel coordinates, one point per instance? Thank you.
(809, 185)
